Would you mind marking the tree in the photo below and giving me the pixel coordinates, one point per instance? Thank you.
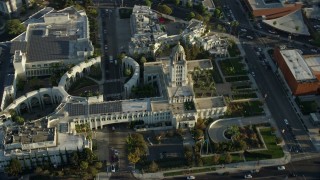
(153, 167)
(93, 171)
(98, 165)
(87, 155)
(143, 60)
(198, 134)
(127, 72)
(134, 157)
(191, 15)
(34, 83)
(176, 2)
(228, 158)
(200, 124)
(274, 22)
(14, 27)
(38, 170)
(84, 165)
(189, 4)
(19, 120)
(74, 158)
(279, 140)
(164, 9)
(217, 12)
(199, 17)
(14, 168)
(216, 159)
(148, 3)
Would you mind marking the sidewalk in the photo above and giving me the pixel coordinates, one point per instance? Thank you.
(233, 167)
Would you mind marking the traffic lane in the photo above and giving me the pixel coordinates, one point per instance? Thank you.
(237, 12)
(276, 100)
(4, 66)
(308, 169)
(265, 174)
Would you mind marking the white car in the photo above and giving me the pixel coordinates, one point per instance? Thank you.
(272, 32)
(248, 176)
(314, 50)
(286, 121)
(191, 177)
(253, 74)
(113, 169)
(249, 37)
(244, 30)
(281, 168)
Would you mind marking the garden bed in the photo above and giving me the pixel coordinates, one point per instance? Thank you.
(237, 78)
(232, 67)
(274, 151)
(216, 74)
(239, 109)
(244, 96)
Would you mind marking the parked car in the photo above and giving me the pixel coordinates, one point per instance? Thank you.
(248, 176)
(286, 121)
(281, 168)
(244, 30)
(191, 177)
(249, 37)
(113, 169)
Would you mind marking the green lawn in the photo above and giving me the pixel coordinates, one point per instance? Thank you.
(274, 151)
(244, 96)
(216, 74)
(176, 173)
(207, 161)
(233, 50)
(232, 67)
(249, 108)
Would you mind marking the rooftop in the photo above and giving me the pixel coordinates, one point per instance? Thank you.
(29, 133)
(52, 47)
(291, 23)
(136, 105)
(202, 64)
(313, 62)
(265, 4)
(208, 103)
(297, 65)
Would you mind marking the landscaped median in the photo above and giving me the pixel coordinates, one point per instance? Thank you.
(187, 171)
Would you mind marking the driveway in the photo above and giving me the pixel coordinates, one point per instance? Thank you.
(217, 128)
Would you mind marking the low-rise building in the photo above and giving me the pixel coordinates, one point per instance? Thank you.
(63, 38)
(298, 75)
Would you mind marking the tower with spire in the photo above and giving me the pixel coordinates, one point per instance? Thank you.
(178, 67)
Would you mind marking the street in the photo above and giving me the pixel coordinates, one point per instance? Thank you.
(307, 169)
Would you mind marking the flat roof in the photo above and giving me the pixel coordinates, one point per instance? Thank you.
(105, 107)
(202, 64)
(264, 4)
(136, 105)
(291, 23)
(41, 48)
(313, 62)
(160, 106)
(208, 103)
(297, 65)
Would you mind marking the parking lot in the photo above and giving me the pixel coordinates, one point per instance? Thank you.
(162, 144)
